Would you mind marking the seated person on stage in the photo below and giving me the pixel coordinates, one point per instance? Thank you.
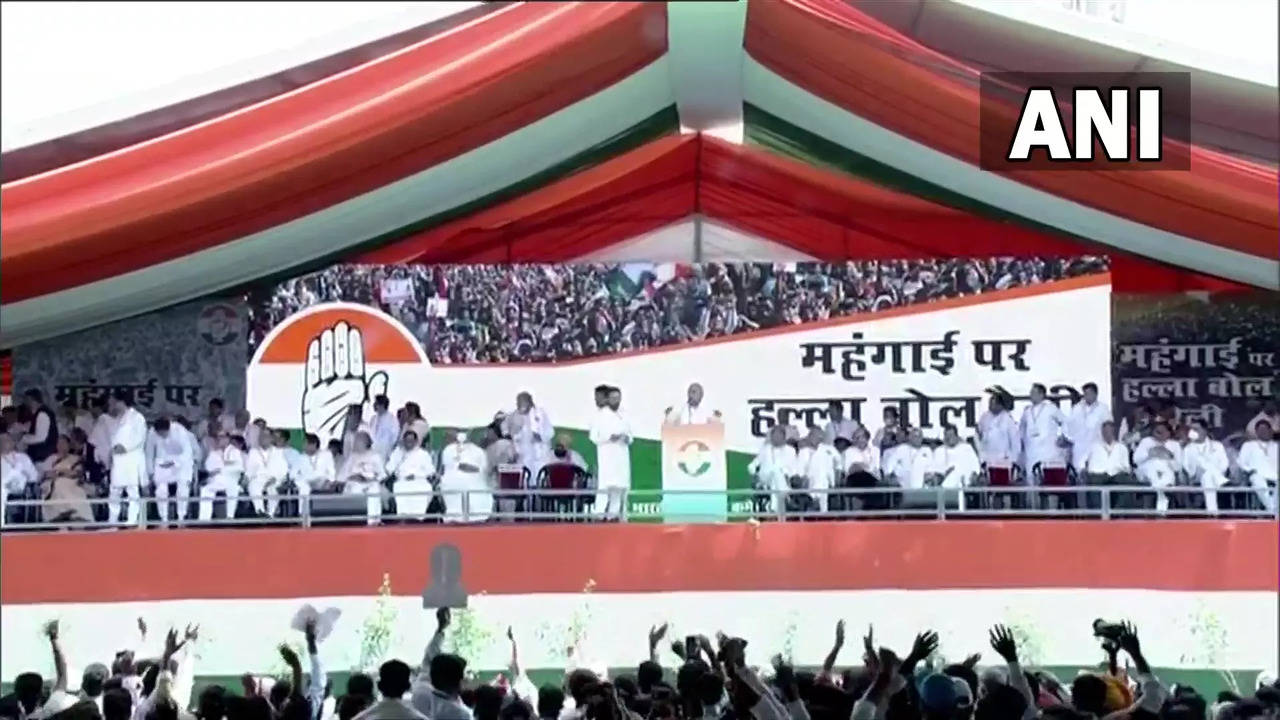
(1258, 464)
(861, 463)
(362, 474)
(17, 476)
(1205, 461)
(464, 474)
(823, 467)
(64, 486)
(1159, 461)
(772, 467)
(565, 465)
(414, 472)
(224, 467)
(908, 463)
(955, 464)
(1107, 465)
(839, 426)
(265, 470)
(314, 470)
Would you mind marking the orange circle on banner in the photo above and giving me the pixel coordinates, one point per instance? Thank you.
(383, 341)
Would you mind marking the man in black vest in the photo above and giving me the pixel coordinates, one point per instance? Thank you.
(42, 437)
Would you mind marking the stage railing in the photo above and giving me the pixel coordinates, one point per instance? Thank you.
(543, 505)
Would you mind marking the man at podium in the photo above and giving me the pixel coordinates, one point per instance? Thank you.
(693, 411)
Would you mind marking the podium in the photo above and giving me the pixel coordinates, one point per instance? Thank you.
(693, 458)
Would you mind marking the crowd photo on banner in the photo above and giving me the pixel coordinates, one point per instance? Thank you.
(812, 389)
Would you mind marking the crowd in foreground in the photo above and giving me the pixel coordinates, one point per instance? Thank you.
(547, 313)
(1157, 460)
(712, 681)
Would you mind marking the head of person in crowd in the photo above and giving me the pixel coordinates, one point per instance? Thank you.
(409, 440)
(694, 394)
(412, 411)
(890, 416)
(615, 398)
(120, 403)
(602, 396)
(394, 679)
(1038, 393)
(861, 438)
(488, 703)
(363, 442)
(350, 706)
(915, 437)
(1160, 431)
(516, 709)
(1090, 392)
(98, 407)
(814, 437)
(381, 404)
(242, 419)
(1000, 702)
(117, 704)
(216, 408)
(1264, 431)
(78, 439)
(93, 678)
(360, 684)
(550, 702)
(212, 703)
(950, 435)
(778, 435)
(1168, 412)
(161, 426)
(1198, 431)
(334, 446)
(33, 400)
(281, 438)
(447, 672)
(1089, 694)
(1108, 432)
(28, 691)
(266, 438)
(524, 402)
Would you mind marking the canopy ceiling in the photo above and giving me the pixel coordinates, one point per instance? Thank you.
(541, 131)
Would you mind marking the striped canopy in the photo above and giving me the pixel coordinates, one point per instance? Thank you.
(551, 131)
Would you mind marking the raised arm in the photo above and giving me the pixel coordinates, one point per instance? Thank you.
(1003, 643)
(443, 618)
(315, 690)
(829, 663)
(1151, 693)
(925, 644)
(59, 660)
(295, 667)
(521, 685)
(656, 633)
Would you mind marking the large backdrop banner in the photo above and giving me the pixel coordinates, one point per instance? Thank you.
(172, 361)
(769, 343)
(1214, 357)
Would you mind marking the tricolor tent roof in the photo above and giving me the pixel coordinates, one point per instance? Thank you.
(552, 132)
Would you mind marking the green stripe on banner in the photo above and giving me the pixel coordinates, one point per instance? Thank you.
(771, 132)
(663, 122)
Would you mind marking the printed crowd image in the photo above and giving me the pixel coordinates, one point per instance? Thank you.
(749, 360)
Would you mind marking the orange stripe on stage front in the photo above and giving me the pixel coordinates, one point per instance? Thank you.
(1191, 555)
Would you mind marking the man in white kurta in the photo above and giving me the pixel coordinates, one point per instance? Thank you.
(773, 465)
(1159, 461)
(464, 473)
(242, 426)
(1107, 465)
(693, 411)
(823, 467)
(386, 428)
(315, 470)
(838, 425)
(128, 460)
(861, 456)
(530, 428)
(611, 433)
(224, 466)
(17, 472)
(1041, 430)
(413, 470)
(1205, 462)
(1084, 425)
(362, 474)
(910, 462)
(172, 466)
(265, 469)
(104, 427)
(955, 462)
(1258, 462)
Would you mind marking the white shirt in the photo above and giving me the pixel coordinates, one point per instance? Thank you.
(17, 472)
(842, 429)
(1041, 425)
(521, 427)
(686, 414)
(415, 464)
(228, 461)
(365, 466)
(773, 465)
(908, 465)
(1207, 455)
(1260, 458)
(1084, 429)
(249, 433)
(823, 466)
(613, 457)
(868, 457)
(1108, 459)
(103, 430)
(390, 709)
(314, 470)
(959, 458)
(998, 438)
(172, 452)
(267, 463)
(1251, 428)
(130, 433)
(1142, 455)
(386, 432)
(464, 453)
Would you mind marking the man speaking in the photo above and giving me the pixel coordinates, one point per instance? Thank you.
(693, 411)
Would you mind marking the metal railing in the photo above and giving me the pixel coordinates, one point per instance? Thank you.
(544, 505)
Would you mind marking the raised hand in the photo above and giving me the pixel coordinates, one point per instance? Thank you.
(1003, 643)
(511, 635)
(142, 626)
(51, 630)
(656, 633)
(191, 634)
(1128, 639)
(840, 633)
(289, 656)
(443, 618)
(868, 648)
(336, 379)
(926, 643)
(972, 660)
